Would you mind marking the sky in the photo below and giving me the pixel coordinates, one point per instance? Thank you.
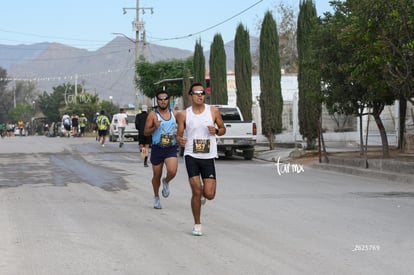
(90, 24)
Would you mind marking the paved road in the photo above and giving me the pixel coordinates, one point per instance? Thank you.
(69, 206)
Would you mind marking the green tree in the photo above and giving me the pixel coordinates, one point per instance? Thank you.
(342, 94)
(5, 97)
(22, 111)
(390, 27)
(109, 107)
(218, 71)
(63, 99)
(309, 80)
(152, 73)
(243, 71)
(51, 104)
(271, 100)
(22, 93)
(199, 62)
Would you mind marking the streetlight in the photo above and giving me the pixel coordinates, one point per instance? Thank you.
(138, 26)
(127, 37)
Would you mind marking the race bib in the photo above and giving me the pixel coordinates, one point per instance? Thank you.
(166, 140)
(201, 146)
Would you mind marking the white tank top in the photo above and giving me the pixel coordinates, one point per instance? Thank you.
(200, 143)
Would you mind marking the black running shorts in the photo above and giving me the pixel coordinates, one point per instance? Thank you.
(204, 167)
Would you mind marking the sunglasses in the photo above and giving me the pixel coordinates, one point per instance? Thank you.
(198, 92)
(162, 98)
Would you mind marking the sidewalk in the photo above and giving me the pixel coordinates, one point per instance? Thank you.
(393, 169)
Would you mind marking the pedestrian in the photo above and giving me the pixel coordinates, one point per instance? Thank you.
(122, 122)
(20, 125)
(103, 125)
(66, 124)
(161, 124)
(198, 126)
(143, 140)
(82, 123)
(75, 124)
(95, 126)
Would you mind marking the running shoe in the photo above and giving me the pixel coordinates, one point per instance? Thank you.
(197, 230)
(165, 188)
(157, 203)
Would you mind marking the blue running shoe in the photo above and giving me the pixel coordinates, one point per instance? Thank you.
(165, 188)
(157, 203)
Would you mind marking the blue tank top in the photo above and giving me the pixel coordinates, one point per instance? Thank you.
(164, 135)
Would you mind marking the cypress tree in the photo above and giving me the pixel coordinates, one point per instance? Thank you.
(243, 71)
(309, 110)
(271, 100)
(200, 66)
(218, 71)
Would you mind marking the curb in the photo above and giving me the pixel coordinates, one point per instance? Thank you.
(371, 173)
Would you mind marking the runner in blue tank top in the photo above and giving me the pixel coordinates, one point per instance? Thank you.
(161, 125)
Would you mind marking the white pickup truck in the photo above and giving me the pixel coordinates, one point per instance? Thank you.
(240, 137)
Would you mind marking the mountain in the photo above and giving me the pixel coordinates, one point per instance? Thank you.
(108, 71)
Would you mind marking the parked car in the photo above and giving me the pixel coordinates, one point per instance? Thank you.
(130, 131)
(240, 137)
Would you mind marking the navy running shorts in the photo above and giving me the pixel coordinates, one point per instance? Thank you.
(159, 154)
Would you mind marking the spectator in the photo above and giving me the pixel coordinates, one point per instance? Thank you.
(82, 122)
(143, 140)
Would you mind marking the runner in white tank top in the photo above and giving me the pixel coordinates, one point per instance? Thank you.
(200, 142)
(197, 127)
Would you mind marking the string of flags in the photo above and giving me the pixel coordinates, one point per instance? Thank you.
(63, 78)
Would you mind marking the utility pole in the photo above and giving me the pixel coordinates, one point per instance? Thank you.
(138, 26)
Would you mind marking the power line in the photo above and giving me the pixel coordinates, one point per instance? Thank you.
(209, 28)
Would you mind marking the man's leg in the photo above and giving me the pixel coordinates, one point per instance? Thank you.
(171, 165)
(209, 188)
(195, 185)
(121, 135)
(156, 182)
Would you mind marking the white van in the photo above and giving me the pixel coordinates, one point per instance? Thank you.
(130, 131)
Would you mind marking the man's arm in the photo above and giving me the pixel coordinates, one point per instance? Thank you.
(181, 127)
(218, 120)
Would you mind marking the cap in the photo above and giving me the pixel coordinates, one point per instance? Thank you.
(144, 108)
